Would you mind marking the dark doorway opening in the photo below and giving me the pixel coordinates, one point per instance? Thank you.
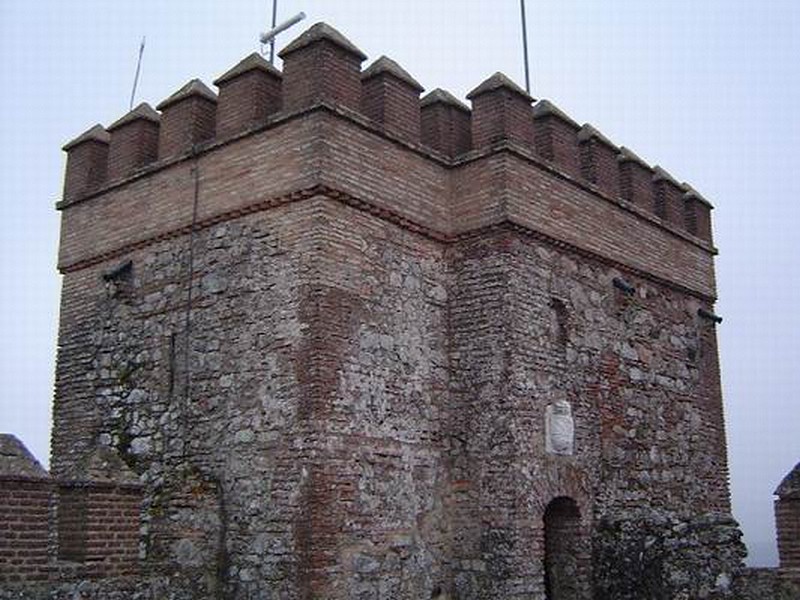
(562, 550)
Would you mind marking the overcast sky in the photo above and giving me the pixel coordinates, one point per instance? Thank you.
(708, 89)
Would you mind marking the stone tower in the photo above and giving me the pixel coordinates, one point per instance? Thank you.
(358, 344)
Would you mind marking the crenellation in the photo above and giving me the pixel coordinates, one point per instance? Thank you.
(598, 156)
(321, 66)
(501, 111)
(697, 213)
(390, 97)
(635, 179)
(445, 123)
(188, 118)
(249, 93)
(556, 137)
(787, 520)
(668, 198)
(87, 162)
(134, 141)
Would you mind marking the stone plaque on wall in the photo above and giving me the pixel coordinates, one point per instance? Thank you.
(559, 428)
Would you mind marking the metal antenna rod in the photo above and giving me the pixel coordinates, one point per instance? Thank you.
(272, 41)
(525, 46)
(138, 69)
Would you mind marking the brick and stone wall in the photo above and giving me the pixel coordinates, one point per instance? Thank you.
(326, 326)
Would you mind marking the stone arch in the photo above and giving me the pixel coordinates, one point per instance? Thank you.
(565, 550)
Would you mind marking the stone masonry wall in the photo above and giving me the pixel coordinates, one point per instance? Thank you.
(211, 442)
(532, 324)
(637, 371)
(374, 373)
(658, 556)
(296, 330)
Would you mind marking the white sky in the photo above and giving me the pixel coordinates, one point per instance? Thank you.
(709, 89)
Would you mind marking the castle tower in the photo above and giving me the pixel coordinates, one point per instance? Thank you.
(355, 344)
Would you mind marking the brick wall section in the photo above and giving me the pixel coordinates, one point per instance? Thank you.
(74, 411)
(599, 161)
(787, 523)
(668, 199)
(554, 207)
(24, 529)
(98, 525)
(354, 160)
(697, 211)
(72, 523)
(556, 138)
(236, 175)
(711, 462)
(703, 213)
(252, 91)
(480, 495)
(374, 379)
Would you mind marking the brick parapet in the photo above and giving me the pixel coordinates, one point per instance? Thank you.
(254, 98)
(328, 146)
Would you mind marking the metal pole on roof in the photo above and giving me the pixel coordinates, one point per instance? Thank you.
(272, 41)
(525, 46)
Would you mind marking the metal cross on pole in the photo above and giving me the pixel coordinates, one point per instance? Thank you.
(268, 37)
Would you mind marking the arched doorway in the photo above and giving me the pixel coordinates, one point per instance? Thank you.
(562, 550)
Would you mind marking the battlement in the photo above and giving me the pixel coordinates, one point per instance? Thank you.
(434, 137)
